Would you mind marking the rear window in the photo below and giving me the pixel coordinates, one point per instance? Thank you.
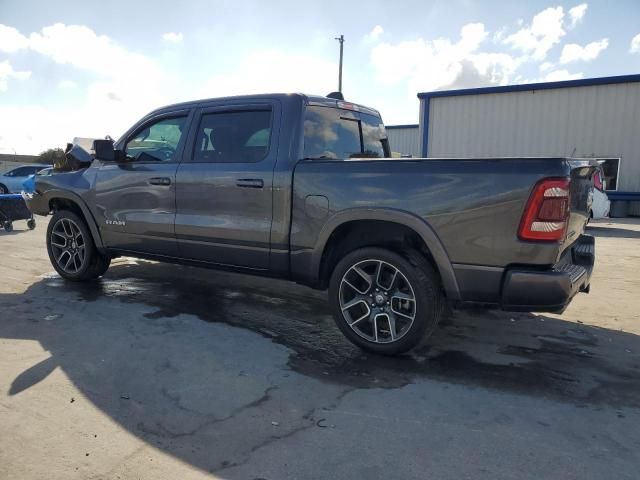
(334, 133)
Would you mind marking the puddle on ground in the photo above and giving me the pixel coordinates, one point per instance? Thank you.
(520, 353)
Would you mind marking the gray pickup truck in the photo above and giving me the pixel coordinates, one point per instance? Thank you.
(301, 188)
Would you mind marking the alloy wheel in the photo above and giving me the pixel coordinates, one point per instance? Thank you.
(68, 245)
(377, 301)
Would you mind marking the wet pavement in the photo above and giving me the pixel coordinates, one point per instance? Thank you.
(163, 371)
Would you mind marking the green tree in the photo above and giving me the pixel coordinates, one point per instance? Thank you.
(51, 156)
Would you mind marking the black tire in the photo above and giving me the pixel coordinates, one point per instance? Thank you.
(3, 190)
(91, 265)
(8, 227)
(100, 266)
(31, 224)
(423, 282)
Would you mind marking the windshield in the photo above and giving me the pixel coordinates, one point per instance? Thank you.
(334, 133)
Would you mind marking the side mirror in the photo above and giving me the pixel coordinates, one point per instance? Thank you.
(104, 150)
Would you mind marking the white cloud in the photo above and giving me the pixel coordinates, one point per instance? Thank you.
(173, 37)
(573, 52)
(558, 75)
(67, 84)
(280, 72)
(30, 129)
(7, 72)
(121, 77)
(576, 14)
(541, 35)
(545, 66)
(431, 65)
(11, 40)
(374, 35)
(81, 47)
(635, 44)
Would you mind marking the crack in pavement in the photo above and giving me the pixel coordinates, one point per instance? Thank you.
(167, 433)
(308, 420)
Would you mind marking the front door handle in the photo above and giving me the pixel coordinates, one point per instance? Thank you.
(160, 181)
(250, 182)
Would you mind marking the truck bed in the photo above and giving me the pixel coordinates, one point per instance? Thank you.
(473, 207)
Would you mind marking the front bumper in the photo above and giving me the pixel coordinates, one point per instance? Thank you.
(551, 290)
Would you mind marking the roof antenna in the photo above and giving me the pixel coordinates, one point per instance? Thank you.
(336, 95)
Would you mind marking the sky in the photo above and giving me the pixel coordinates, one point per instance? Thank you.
(89, 68)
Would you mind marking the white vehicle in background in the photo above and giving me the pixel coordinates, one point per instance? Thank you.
(601, 204)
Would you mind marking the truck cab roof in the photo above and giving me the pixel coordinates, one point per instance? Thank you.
(317, 100)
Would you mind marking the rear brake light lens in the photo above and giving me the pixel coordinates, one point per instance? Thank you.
(546, 215)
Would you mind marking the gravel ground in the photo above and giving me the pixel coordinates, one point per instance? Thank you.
(162, 372)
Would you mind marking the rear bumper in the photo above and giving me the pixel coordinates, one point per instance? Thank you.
(526, 289)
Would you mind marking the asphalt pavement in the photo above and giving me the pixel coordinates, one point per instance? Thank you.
(162, 371)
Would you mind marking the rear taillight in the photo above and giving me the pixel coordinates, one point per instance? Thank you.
(547, 213)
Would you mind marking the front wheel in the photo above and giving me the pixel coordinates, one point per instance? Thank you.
(71, 249)
(384, 302)
(3, 190)
(31, 224)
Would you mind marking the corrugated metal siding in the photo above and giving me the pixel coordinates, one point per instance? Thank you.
(590, 121)
(404, 140)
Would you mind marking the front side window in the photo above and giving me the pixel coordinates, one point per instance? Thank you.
(157, 142)
(334, 133)
(233, 137)
(33, 170)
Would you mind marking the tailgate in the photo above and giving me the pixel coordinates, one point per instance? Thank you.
(580, 199)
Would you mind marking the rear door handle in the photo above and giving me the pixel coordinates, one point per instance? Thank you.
(250, 182)
(160, 181)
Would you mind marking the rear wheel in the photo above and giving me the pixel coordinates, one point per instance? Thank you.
(31, 223)
(3, 190)
(384, 302)
(71, 249)
(8, 227)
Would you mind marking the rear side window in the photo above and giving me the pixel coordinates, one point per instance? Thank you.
(21, 172)
(340, 134)
(233, 137)
(374, 136)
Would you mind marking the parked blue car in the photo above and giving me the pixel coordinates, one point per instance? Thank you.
(11, 181)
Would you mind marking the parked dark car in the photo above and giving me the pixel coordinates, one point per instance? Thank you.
(300, 187)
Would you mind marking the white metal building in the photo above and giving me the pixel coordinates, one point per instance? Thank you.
(404, 139)
(595, 118)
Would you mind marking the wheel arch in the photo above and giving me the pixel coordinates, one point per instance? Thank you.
(63, 200)
(396, 223)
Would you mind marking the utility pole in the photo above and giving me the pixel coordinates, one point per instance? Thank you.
(341, 40)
